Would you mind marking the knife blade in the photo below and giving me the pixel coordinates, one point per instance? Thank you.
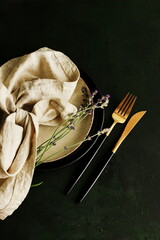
(130, 125)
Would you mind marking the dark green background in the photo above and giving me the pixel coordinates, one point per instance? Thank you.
(117, 42)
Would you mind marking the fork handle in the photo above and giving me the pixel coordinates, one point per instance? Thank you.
(89, 187)
(110, 129)
(86, 166)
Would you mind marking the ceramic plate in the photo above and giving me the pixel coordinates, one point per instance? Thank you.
(90, 125)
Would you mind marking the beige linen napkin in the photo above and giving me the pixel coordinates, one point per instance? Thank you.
(34, 89)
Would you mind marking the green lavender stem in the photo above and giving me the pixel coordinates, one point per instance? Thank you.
(68, 125)
(49, 144)
(67, 147)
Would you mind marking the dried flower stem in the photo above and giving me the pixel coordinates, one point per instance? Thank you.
(69, 124)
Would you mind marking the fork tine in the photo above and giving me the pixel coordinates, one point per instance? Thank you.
(130, 106)
(126, 104)
(122, 102)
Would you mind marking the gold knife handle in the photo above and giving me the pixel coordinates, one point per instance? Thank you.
(118, 143)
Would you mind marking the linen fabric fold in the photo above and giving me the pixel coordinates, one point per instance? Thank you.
(34, 89)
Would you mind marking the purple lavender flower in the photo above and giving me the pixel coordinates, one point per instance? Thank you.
(99, 133)
(85, 92)
(71, 125)
(89, 111)
(105, 130)
(53, 143)
(89, 138)
(99, 100)
(107, 96)
(95, 105)
(95, 92)
(83, 89)
(90, 100)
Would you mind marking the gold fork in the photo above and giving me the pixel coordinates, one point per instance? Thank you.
(119, 115)
(123, 110)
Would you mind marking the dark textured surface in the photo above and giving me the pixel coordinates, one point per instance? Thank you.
(118, 44)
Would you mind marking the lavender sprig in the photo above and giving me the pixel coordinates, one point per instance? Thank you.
(70, 123)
